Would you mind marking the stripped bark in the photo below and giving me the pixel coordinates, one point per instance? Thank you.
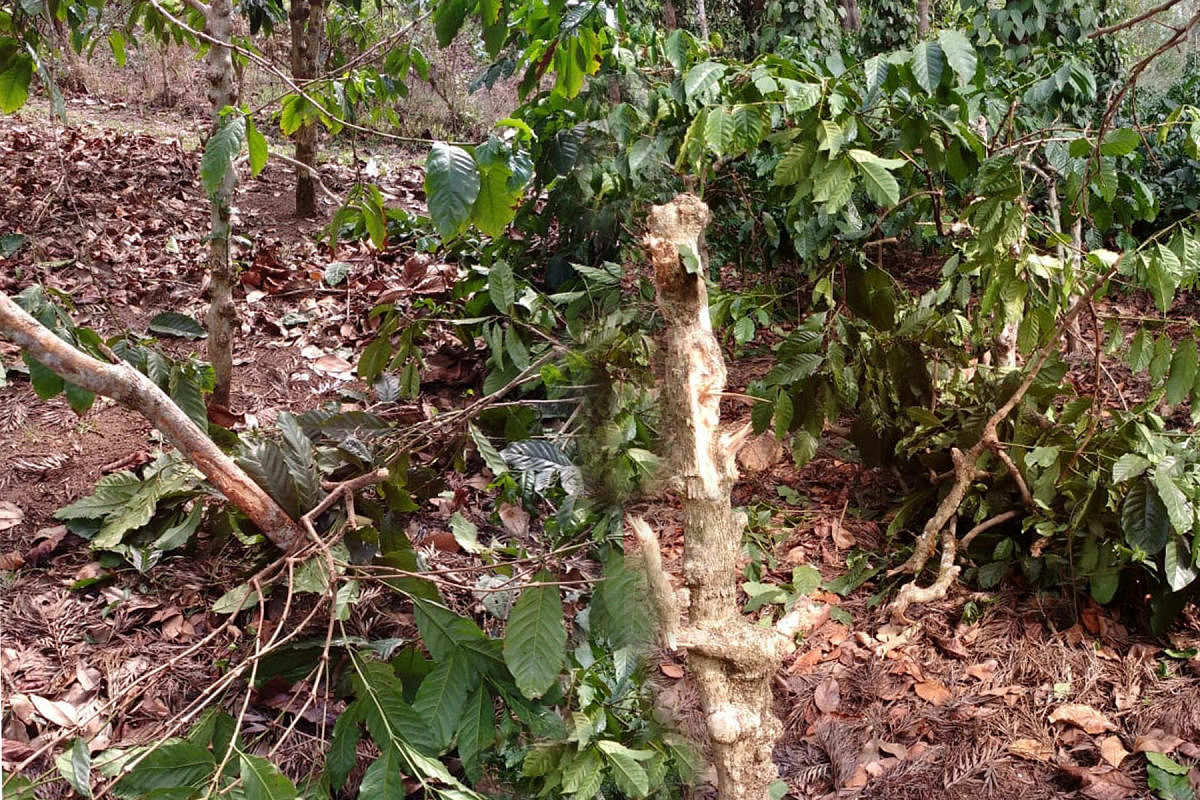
(307, 20)
(222, 315)
(126, 385)
(734, 662)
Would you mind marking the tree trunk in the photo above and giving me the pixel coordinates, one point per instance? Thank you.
(922, 18)
(221, 313)
(851, 19)
(307, 21)
(669, 21)
(126, 385)
(734, 662)
(702, 19)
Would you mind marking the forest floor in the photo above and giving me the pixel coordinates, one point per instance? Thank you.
(997, 695)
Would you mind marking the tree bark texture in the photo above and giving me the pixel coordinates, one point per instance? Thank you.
(922, 18)
(126, 385)
(734, 662)
(222, 315)
(851, 18)
(702, 19)
(307, 21)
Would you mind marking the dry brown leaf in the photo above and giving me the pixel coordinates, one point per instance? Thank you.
(761, 452)
(933, 692)
(15, 751)
(1112, 751)
(61, 714)
(1156, 741)
(11, 560)
(330, 363)
(671, 669)
(828, 695)
(1101, 783)
(1082, 716)
(10, 515)
(984, 670)
(842, 537)
(514, 518)
(1031, 749)
(22, 709)
(48, 540)
(858, 779)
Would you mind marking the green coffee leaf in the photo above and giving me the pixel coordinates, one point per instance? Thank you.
(1144, 519)
(451, 186)
(172, 323)
(927, 64)
(75, 765)
(535, 639)
(220, 151)
(262, 780)
(960, 54)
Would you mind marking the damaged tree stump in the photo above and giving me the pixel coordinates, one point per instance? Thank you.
(734, 662)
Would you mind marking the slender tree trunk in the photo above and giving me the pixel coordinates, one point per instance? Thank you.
(922, 18)
(702, 19)
(222, 315)
(307, 19)
(734, 662)
(851, 19)
(134, 390)
(669, 20)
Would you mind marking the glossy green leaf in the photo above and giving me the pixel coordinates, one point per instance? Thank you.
(928, 62)
(536, 638)
(451, 186)
(256, 144)
(960, 54)
(502, 286)
(16, 70)
(628, 773)
(1119, 142)
(476, 731)
(1144, 519)
(174, 763)
(880, 184)
(172, 323)
(75, 765)
(442, 697)
(1177, 564)
(383, 780)
(701, 78)
(1182, 376)
(220, 151)
(262, 780)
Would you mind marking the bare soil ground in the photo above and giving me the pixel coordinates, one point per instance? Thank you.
(1007, 695)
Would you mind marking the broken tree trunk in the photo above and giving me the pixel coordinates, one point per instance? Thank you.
(218, 24)
(734, 662)
(126, 385)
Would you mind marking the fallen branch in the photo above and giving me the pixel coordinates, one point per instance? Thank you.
(126, 385)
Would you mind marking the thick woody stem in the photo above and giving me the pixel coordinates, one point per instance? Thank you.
(734, 662)
(965, 470)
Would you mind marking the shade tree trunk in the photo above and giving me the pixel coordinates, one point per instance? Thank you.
(307, 24)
